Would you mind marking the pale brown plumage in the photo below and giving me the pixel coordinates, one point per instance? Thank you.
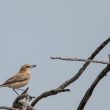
(20, 79)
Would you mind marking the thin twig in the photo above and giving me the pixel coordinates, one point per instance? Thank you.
(7, 108)
(74, 78)
(80, 59)
(92, 87)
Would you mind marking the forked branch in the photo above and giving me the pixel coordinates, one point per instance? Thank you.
(74, 78)
(62, 87)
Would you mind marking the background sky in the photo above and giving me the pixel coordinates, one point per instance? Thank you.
(31, 31)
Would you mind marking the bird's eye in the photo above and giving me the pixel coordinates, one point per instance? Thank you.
(27, 66)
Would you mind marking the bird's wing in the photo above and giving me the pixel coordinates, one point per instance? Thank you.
(16, 78)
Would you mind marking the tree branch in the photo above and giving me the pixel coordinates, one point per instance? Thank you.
(23, 105)
(74, 78)
(48, 93)
(7, 108)
(81, 70)
(92, 87)
(80, 59)
(22, 96)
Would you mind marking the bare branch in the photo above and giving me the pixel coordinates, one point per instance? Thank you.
(22, 96)
(23, 105)
(7, 108)
(80, 59)
(48, 93)
(74, 78)
(92, 87)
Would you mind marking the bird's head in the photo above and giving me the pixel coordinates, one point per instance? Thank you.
(27, 67)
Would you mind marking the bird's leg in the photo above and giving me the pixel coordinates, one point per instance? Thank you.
(15, 92)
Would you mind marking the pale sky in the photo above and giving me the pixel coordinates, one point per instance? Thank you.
(31, 31)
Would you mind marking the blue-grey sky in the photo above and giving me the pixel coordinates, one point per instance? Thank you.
(31, 31)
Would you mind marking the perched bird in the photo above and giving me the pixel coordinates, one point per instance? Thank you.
(20, 79)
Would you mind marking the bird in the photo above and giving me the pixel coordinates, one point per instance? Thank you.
(20, 79)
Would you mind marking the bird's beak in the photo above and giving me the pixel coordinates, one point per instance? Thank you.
(33, 66)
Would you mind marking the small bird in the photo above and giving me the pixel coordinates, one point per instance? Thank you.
(20, 79)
